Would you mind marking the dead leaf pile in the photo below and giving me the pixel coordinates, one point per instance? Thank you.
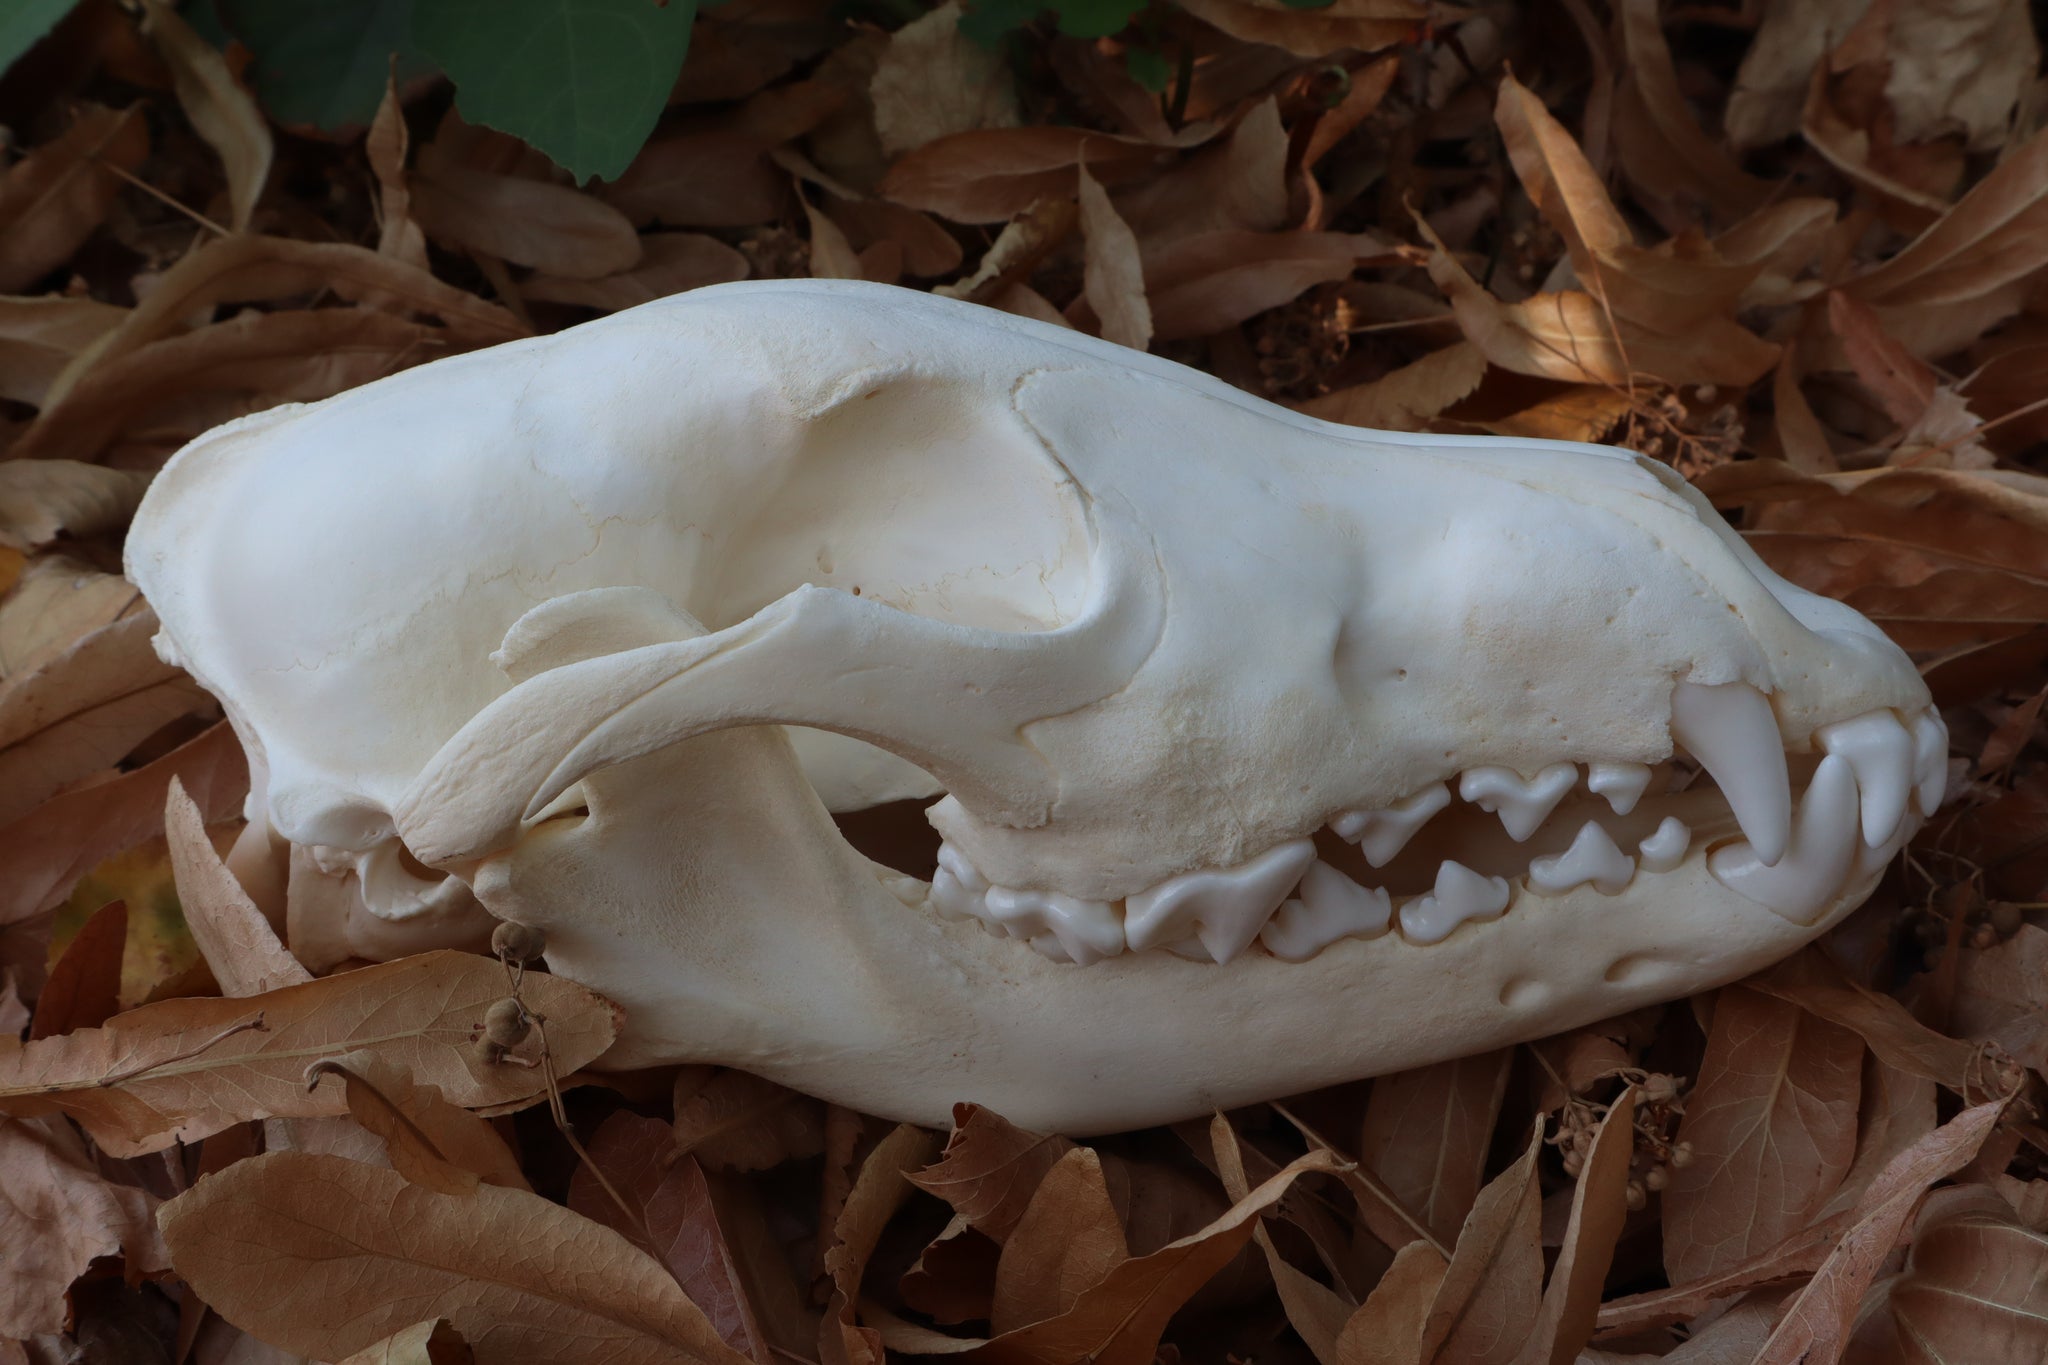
(1795, 249)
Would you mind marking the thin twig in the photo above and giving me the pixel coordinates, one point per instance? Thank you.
(1368, 1181)
(153, 192)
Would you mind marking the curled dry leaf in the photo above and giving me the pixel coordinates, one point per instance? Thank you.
(181, 1069)
(43, 499)
(435, 1342)
(326, 1257)
(719, 178)
(238, 943)
(670, 263)
(430, 1141)
(731, 1120)
(1364, 25)
(1772, 1123)
(1387, 1328)
(1492, 1289)
(1571, 1302)
(219, 108)
(57, 1214)
(554, 229)
(1975, 1287)
(84, 986)
(1426, 1134)
(1317, 1312)
(995, 174)
(1202, 284)
(1114, 276)
(932, 80)
(1068, 1239)
(1813, 982)
(880, 1189)
(57, 196)
(990, 1169)
(1409, 398)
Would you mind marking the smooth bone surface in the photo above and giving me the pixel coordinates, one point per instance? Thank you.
(1269, 753)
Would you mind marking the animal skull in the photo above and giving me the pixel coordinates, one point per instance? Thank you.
(1275, 753)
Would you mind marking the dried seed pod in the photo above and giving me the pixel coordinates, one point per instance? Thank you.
(507, 1023)
(1656, 1178)
(1573, 1164)
(2006, 918)
(1681, 1156)
(518, 942)
(1637, 1195)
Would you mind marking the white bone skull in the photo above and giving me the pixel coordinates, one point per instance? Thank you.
(1275, 753)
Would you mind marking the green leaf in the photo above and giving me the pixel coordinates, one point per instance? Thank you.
(1308, 4)
(24, 22)
(324, 62)
(583, 80)
(1149, 67)
(1095, 18)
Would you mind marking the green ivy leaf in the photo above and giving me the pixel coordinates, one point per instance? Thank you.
(988, 22)
(1149, 67)
(1096, 18)
(324, 62)
(583, 80)
(23, 24)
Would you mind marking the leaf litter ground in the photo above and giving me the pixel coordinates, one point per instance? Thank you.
(1797, 250)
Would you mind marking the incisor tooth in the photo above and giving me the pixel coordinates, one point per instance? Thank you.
(1522, 804)
(1223, 907)
(1880, 752)
(1088, 931)
(1382, 834)
(1460, 895)
(1623, 784)
(1732, 731)
(1592, 857)
(1930, 760)
(1823, 849)
(1666, 848)
(1331, 907)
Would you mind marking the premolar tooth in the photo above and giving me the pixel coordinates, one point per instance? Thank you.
(1331, 907)
(1381, 834)
(1225, 907)
(1666, 848)
(1930, 760)
(1822, 852)
(1732, 731)
(1880, 753)
(1521, 804)
(1088, 931)
(1460, 895)
(1623, 784)
(1592, 857)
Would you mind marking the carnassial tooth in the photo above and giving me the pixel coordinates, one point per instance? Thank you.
(1733, 732)
(964, 872)
(1522, 804)
(1592, 857)
(1331, 907)
(1623, 784)
(1666, 848)
(1823, 850)
(1088, 931)
(952, 900)
(1223, 907)
(1382, 834)
(1930, 760)
(1880, 752)
(1460, 895)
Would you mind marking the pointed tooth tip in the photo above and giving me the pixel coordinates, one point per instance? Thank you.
(1733, 732)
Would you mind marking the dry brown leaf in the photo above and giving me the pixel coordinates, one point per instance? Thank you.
(1819, 1317)
(43, 499)
(734, 1121)
(43, 854)
(1387, 1328)
(238, 943)
(674, 1216)
(57, 196)
(553, 228)
(57, 1213)
(832, 256)
(435, 1342)
(1686, 151)
(1238, 185)
(670, 263)
(430, 1141)
(1068, 1240)
(1813, 982)
(1202, 284)
(1493, 1288)
(1361, 25)
(1974, 1288)
(178, 1070)
(218, 107)
(1584, 412)
(1113, 275)
(932, 81)
(2002, 994)
(1409, 398)
(1960, 66)
(881, 1188)
(1426, 1134)
(1317, 1312)
(325, 1257)
(1571, 1303)
(990, 1169)
(1770, 89)
(57, 602)
(996, 174)
(1772, 1123)
(700, 179)
(83, 989)
(386, 148)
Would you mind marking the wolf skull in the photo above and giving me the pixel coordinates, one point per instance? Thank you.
(1273, 753)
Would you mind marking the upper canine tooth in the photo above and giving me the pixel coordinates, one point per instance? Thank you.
(1880, 752)
(1623, 784)
(1592, 857)
(1521, 804)
(1381, 834)
(1461, 894)
(1088, 931)
(1223, 907)
(1732, 731)
(1930, 760)
(1665, 849)
(1331, 907)
(1823, 850)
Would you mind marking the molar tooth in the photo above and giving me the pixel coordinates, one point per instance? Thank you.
(1086, 931)
(1592, 857)
(1381, 834)
(958, 888)
(1822, 852)
(1049, 947)
(1880, 752)
(1460, 895)
(1930, 760)
(1623, 784)
(1331, 907)
(1666, 848)
(1223, 907)
(1521, 804)
(964, 872)
(1732, 731)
